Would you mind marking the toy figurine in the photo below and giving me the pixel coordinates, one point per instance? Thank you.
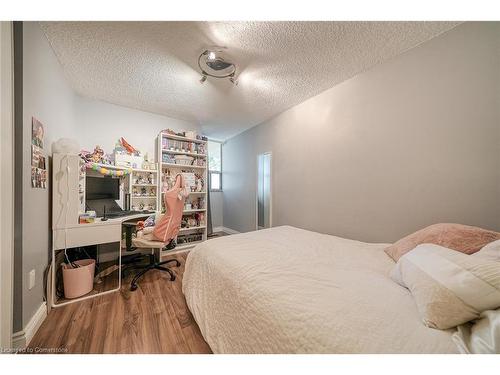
(152, 192)
(97, 155)
(141, 206)
(144, 191)
(192, 222)
(199, 185)
(135, 192)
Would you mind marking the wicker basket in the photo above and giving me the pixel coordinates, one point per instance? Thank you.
(184, 160)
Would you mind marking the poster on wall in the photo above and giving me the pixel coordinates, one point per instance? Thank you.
(38, 158)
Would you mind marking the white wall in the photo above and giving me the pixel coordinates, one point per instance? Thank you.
(411, 142)
(103, 124)
(48, 97)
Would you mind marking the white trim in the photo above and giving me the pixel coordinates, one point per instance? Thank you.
(226, 230)
(6, 183)
(22, 338)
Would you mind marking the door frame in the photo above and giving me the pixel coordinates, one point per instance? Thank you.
(270, 190)
(6, 182)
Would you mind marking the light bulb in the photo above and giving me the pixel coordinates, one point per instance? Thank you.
(211, 55)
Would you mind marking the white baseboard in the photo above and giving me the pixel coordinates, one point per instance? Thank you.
(226, 230)
(22, 338)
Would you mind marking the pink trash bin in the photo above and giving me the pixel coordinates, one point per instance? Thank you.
(80, 280)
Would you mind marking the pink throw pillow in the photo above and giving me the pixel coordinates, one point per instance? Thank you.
(463, 238)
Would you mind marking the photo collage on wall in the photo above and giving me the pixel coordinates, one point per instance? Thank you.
(38, 158)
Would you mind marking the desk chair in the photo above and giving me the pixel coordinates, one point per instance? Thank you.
(139, 243)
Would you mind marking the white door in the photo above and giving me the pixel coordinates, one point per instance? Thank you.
(6, 183)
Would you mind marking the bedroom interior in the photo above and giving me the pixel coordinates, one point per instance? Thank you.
(250, 187)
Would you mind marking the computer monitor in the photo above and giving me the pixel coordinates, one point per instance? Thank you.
(102, 188)
(100, 193)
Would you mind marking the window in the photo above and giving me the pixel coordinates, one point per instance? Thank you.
(215, 165)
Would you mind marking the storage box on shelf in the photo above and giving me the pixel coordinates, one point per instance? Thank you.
(188, 156)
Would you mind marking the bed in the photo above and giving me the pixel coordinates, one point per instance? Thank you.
(288, 290)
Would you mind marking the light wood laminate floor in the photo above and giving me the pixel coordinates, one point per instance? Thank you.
(152, 319)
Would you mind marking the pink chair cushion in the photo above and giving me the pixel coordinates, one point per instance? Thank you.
(463, 238)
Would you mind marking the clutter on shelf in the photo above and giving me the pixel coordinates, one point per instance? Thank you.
(147, 164)
(97, 156)
(194, 203)
(87, 217)
(193, 220)
(125, 155)
(188, 238)
(188, 134)
(97, 160)
(144, 178)
(183, 159)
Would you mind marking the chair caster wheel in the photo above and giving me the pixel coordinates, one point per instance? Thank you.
(133, 287)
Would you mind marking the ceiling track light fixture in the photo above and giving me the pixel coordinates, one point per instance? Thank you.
(213, 63)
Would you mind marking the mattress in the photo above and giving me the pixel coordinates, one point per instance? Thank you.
(288, 290)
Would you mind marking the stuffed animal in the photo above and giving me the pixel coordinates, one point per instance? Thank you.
(139, 225)
(97, 155)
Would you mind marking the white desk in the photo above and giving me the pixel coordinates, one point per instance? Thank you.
(79, 235)
(99, 232)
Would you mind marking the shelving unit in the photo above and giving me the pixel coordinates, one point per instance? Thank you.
(143, 189)
(172, 165)
(68, 202)
(169, 149)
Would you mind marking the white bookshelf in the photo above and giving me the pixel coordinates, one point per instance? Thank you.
(143, 189)
(168, 146)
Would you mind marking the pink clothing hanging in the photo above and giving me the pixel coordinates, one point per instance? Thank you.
(169, 224)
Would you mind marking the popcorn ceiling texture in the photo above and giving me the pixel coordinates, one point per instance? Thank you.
(152, 66)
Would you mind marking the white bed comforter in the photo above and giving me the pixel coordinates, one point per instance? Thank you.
(288, 290)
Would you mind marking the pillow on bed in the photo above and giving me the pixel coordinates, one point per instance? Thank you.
(490, 251)
(463, 238)
(481, 336)
(449, 287)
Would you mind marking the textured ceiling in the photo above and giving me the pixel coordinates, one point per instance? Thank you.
(152, 66)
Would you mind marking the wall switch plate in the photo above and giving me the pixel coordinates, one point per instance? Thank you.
(32, 279)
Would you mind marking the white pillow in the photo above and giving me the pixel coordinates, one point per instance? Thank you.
(481, 336)
(490, 251)
(449, 287)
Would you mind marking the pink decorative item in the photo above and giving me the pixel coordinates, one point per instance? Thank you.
(463, 238)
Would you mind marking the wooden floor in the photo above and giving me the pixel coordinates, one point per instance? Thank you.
(152, 319)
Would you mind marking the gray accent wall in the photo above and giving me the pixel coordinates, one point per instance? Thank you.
(48, 97)
(410, 142)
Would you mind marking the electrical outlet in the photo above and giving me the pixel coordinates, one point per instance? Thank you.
(32, 280)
